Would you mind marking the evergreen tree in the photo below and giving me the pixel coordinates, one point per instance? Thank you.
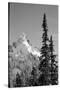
(33, 79)
(44, 78)
(54, 67)
(18, 80)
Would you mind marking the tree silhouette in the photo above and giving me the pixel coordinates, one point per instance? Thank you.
(18, 80)
(33, 79)
(54, 67)
(44, 63)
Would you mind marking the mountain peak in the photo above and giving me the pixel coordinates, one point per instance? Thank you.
(26, 42)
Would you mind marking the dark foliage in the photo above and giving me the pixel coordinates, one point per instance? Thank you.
(18, 81)
(33, 79)
(54, 66)
(44, 64)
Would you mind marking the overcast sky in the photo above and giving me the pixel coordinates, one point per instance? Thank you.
(28, 18)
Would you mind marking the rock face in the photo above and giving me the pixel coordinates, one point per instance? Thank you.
(22, 58)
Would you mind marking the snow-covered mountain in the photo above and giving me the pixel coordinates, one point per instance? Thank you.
(24, 52)
(22, 58)
(23, 40)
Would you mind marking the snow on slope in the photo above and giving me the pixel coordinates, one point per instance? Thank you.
(29, 47)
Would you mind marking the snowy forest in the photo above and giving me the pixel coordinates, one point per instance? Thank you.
(29, 66)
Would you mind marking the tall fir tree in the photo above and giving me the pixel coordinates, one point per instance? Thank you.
(54, 65)
(44, 78)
